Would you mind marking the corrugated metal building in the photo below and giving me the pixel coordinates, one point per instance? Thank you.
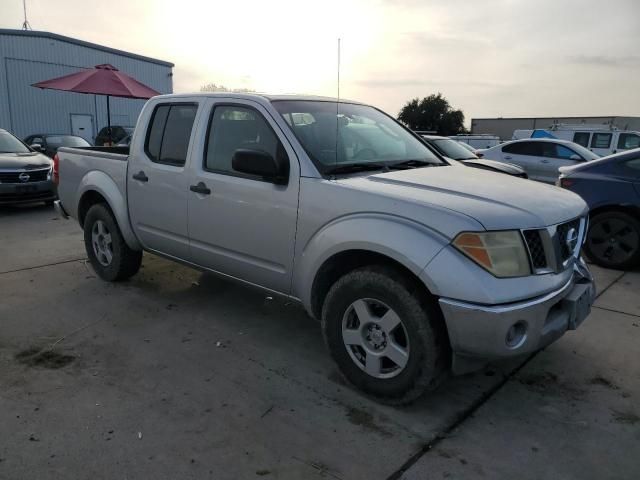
(27, 57)
(504, 127)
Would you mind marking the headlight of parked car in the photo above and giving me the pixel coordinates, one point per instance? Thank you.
(501, 253)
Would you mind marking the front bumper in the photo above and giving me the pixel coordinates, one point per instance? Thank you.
(30, 192)
(479, 333)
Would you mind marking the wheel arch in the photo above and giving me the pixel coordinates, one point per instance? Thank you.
(358, 240)
(97, 187)
(633, 210)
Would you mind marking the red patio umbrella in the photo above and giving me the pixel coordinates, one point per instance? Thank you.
(101, 80)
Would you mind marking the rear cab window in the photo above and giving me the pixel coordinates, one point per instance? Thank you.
(169, 133)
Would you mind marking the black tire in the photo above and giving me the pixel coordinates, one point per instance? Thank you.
(613, 240)
(428, 345)
(125, 262)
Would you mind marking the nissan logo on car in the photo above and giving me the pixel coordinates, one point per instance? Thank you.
(572, 239)
(24, 177)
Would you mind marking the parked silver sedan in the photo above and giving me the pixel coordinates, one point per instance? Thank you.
(540, 157)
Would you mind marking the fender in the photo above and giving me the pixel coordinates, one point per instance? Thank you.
(406, 241)
(103, 184)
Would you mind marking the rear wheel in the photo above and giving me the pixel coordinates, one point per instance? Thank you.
(109, 254)
(385, 334)
(613, 240)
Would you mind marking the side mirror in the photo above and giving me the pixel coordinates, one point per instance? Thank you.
(575, 157)
(257, 162)
(36, 146)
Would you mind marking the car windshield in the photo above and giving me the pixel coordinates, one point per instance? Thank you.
(336, 135)
(10, 144)
(57, 141)
(452, 149)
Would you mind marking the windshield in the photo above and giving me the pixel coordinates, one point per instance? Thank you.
(57, 141)
(10, 144)
(357, 135)
(452, 149)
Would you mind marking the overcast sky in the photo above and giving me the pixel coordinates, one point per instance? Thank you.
(489, 58)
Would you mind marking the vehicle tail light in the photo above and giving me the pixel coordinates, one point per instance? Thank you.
(565, 182)
(56, 173)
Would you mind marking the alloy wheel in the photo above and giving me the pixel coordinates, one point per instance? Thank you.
(101, 241)
(375, 338)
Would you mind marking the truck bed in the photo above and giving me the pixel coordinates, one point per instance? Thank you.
(102, 166)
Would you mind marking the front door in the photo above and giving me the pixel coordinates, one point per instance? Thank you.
(242, 225)
(554, 156)
(82, 126)
(158, 183)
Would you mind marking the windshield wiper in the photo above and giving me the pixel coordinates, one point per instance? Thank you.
(356, 167)
(412, 164)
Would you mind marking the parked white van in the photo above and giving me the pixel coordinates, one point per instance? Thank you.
(600, 139)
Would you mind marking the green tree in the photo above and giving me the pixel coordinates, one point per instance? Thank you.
(432, 113)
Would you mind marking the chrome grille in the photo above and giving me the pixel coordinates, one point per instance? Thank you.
(34, 176)
(562, 232)
(536, 248)
(550, 249)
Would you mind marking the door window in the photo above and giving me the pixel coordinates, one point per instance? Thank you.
(234, 127)
(581, 138)
(34, 140)
(555, 150)
(524, 148)
(601, 140)
(628, 140)
(169, 133)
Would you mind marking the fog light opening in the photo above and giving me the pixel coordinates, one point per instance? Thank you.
(516, 335)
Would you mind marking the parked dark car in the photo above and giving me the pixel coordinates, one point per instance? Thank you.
(453, 149)
(117, 133)
(611, 188)
(49, 143)
(25, 175)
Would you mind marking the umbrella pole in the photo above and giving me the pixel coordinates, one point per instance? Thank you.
(109, 123)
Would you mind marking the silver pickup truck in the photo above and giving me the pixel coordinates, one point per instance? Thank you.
(416, 265)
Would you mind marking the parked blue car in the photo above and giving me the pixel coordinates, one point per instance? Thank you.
(611, 188)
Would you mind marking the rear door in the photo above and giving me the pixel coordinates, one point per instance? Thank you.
(242, 226)
(158, 184)
(582, 138)
(526, 155)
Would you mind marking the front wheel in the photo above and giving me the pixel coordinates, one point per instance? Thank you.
(109, 254)
(613, 240)
(385, 334)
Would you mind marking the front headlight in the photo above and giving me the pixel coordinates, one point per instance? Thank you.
(501, 253)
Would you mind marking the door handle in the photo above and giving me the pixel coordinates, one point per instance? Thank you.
(140, 176)
(507, 157)
(545, 161)
(200, 188)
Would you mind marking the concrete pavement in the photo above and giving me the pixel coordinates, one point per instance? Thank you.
(178, 374)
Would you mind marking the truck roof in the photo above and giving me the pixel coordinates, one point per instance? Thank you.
(260, 96)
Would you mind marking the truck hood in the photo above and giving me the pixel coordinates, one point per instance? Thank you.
(497, 201)
(23, 161)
